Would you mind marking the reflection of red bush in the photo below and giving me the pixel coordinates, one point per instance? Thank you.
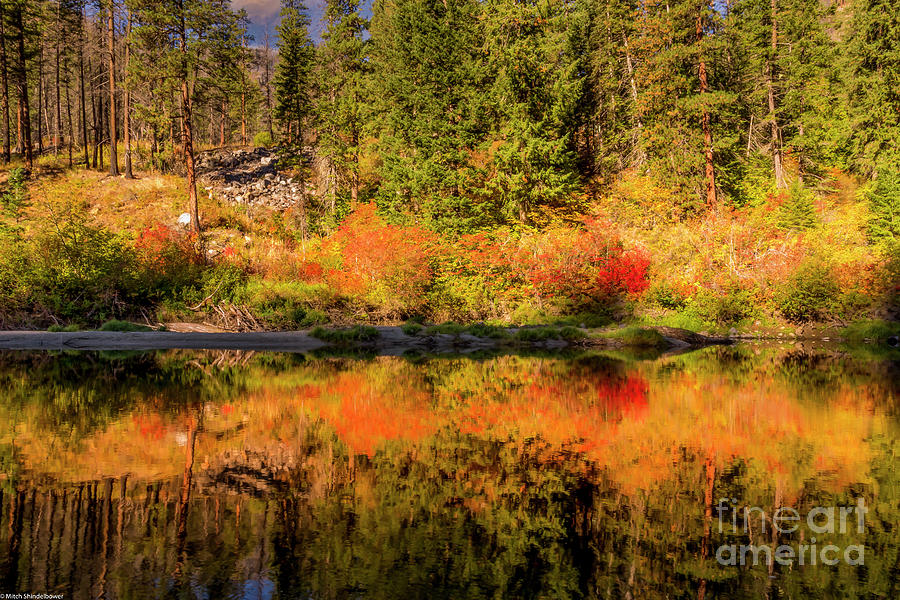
(584, 410)
(150, 426)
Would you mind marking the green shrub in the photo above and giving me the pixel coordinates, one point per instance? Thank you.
(536, 334)
(286, 304)
(359, 333)
(665, 296)
(64, 328)
(880, 331)
(884, 205)
(487, 331)
(411, 328)
(263, 139)
(314, 317)
(731, 307)
(571, 333)
(80, 271)
(125, 326)
(810, 294)
(798, 211)
(13, 199)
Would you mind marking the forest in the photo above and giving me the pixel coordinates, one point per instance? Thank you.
(708, 165)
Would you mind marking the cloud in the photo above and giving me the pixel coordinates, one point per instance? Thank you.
(265, 12)
(261, 12)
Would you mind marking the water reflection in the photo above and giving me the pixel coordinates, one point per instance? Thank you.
(217, 475)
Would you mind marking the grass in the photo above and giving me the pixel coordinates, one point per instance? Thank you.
(637, 337)
(480, 330)
(543, 334)
(879, 331)
(411, 328)
(123, 326)
(446, 329)
(64, 328)
(359, 333)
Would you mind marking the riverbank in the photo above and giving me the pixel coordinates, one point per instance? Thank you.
(379, 340)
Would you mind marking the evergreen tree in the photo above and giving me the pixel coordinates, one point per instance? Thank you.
(874, 84)
(537, 83)
(789, 83)
(429, 84)
(682, 60)
(342, 68)
(797, 212)
(611, 124)
(293, 72)
(185, 46)
(884, 198)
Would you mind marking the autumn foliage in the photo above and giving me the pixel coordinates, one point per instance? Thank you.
(396, 270)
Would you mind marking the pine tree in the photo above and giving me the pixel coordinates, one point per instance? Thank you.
(789, 82)
(342, 71)
(884, 199)
(293, 72)
(537, 84)
(186, 45)
(429, 101)
(873, 77)
(680, 67)
(611, 124)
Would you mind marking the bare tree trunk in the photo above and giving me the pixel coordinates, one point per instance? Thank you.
(113, 138)
(243, 117)
(188, 132)
(4, 88)
(268, 88)
(84, 131)
(354, 176)
(222, 123)
(95, 125)
(40, 101)
(57, 137)
(707, 130)
(127, 108)
(770, 88)
(22, 82)
(69, 118)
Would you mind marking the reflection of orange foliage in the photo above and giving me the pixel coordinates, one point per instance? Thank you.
(368, 414)
(636, 422)
(150, 426)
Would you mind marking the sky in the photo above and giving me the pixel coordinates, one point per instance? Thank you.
(264, 13)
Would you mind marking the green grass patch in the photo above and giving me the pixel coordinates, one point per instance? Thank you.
(487, 331)
(125, 326)
(637, 337)
(543, 334)
(446, 329)
(411, 328)
(64, 328)
(359, 333)
(879, 331)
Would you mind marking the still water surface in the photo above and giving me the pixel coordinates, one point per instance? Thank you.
(239, 475)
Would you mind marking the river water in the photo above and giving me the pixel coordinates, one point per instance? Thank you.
(597, 475)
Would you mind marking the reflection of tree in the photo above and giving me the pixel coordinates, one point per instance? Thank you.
(478, 482)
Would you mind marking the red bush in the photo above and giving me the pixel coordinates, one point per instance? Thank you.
(587, 267)
(161, 246)
(385, 265)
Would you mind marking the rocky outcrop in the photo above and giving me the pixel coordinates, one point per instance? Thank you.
(249, 177)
